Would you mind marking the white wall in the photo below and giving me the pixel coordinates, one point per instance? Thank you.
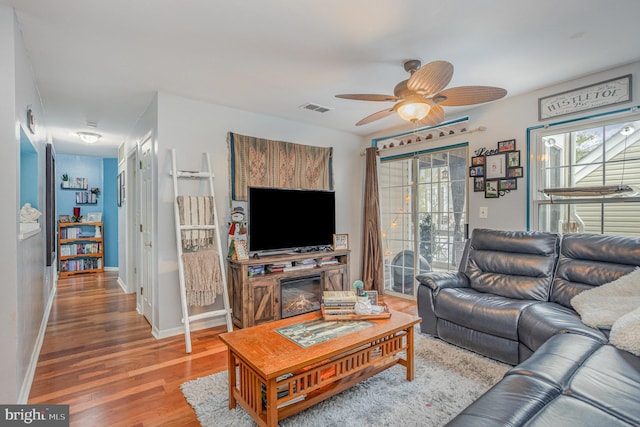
(27, 283)
(507, 119)
(8, 217)
(194, 127)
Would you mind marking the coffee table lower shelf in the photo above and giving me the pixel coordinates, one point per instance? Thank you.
(269, 400)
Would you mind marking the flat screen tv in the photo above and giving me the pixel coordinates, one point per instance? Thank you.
(288, 220)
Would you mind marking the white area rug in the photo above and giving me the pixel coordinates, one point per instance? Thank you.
(447, 380)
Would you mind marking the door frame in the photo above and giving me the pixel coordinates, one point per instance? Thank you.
(132, 215)
(146, 306)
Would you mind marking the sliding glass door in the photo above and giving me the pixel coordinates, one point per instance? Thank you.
(423, 203)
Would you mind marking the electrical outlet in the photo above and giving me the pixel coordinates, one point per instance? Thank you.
(484, 212)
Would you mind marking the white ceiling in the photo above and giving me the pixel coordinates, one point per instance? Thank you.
(102, 61)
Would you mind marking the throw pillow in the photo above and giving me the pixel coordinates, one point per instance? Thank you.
(625, 332)
(601, 306)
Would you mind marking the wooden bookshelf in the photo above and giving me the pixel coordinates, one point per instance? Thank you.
(80, 248)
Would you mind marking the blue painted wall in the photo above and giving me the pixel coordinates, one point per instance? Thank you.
(100, 173)
(110, 215)
(28, 172)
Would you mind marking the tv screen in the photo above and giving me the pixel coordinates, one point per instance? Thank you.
(282, 219)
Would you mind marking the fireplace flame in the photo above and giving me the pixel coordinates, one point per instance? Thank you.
(299, 304)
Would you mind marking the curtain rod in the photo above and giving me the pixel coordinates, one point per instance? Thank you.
(422, 143)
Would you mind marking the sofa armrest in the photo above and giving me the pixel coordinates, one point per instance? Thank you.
(443, 279)
(428, 289)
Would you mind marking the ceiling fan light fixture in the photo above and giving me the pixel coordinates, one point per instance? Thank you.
(413, 110)
(89, 137)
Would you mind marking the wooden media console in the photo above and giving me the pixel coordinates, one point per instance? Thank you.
(255, 284)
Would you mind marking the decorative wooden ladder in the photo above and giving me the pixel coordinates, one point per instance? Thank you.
(226, 311)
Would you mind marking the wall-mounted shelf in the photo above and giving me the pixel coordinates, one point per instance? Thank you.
(75, 184)
(80, 248)
(86, 198)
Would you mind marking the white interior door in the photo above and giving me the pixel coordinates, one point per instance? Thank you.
(132, 209)
(145, 230)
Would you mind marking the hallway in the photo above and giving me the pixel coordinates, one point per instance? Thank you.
(99, 357)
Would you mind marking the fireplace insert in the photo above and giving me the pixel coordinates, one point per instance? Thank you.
(300, 295)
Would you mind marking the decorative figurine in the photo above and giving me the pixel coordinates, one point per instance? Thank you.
(238, 235)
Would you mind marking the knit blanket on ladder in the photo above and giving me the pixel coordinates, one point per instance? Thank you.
(196, 210)
(202, 276)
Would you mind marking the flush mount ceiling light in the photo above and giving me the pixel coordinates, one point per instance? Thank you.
(89, 137)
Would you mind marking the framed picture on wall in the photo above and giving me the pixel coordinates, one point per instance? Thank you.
(513, 159)
(496, 166)
(515, 172)
(476, 171)
(508, 145)
(477, 161)
(508, 184)
(478, 184)
(491, 189)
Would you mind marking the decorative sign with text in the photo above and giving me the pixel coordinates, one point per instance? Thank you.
(614, 91)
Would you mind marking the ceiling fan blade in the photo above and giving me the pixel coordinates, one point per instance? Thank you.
(469, 95)
(367, 97)
(435, 116)
(375, 116)
(431, 78)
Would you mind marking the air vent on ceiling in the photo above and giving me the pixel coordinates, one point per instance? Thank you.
(315, 107)
(92, 124)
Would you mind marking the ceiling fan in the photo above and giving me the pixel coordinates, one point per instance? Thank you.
(420, 98)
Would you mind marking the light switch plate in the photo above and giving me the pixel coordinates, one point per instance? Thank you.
(484, 212)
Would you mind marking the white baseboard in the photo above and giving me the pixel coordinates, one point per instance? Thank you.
(111, 269)
(23, 397)
(124, 286)
(196, 326)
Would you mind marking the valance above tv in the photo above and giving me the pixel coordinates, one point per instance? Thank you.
(259, 162)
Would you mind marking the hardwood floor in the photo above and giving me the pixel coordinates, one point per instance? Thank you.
(99, 357)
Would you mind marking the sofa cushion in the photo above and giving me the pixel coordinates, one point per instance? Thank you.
(512, 264)
(566, 410)
(625, 333)
(601, 306)
(556, 361)
(610, 379)
(511, 402)
(541, 321)
(491, 314)
(588, 260)
(570, 380)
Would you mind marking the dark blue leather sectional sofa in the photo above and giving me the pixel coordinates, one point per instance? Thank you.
(511, 301)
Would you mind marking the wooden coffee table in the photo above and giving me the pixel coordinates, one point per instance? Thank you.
(273, 378)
